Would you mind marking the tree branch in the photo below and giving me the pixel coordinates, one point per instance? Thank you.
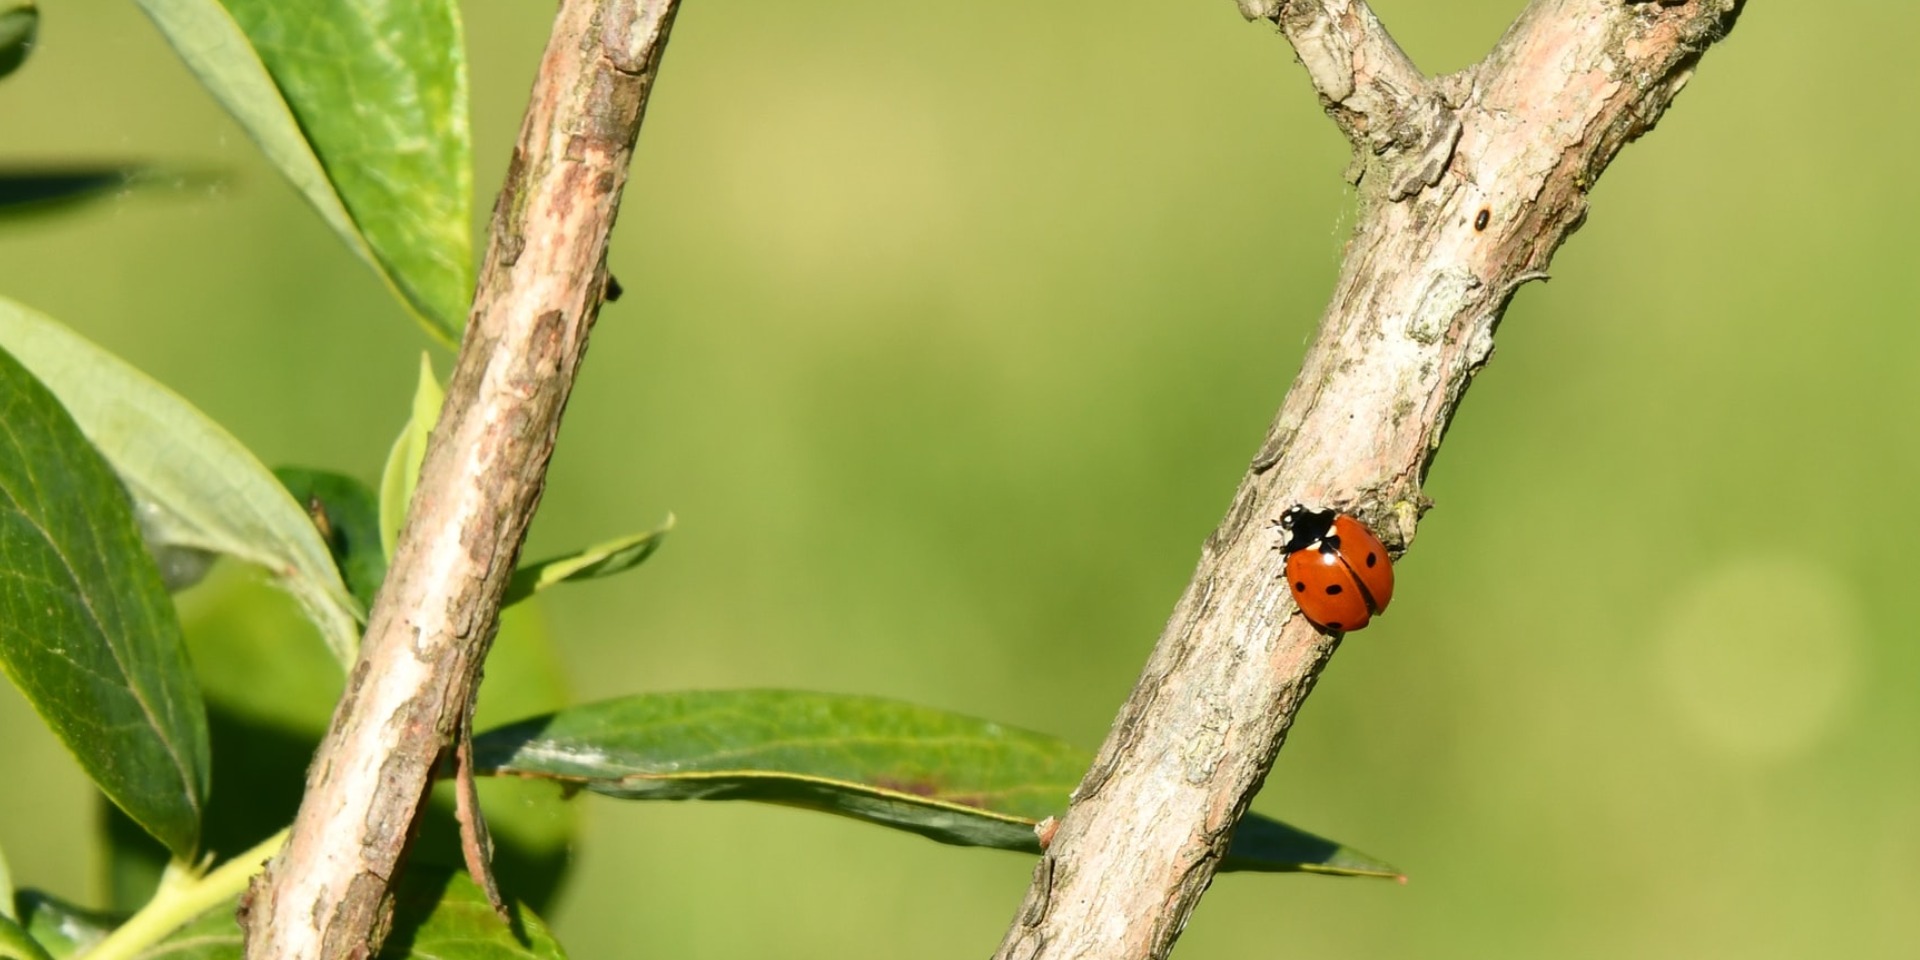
(540, 288)
(1371, 89)
(1469, 186)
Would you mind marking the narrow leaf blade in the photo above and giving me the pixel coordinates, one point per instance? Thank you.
(196, 485)
(87, 630)
(953, 778)
(362, 104)
(600, 560)
(402, 471)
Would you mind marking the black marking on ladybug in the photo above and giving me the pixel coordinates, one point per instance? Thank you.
(1336, 628)
(1307, 528)
(1372, 558)
(1299, 586)
(1333, 589)
(1480, 219)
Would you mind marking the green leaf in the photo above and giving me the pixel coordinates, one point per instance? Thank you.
(438, 915)
(34, 190)
(6, 891)
(62, 928)
(600, 560)
(402, 471)
(348, 518)
(87, 631)
(942, 775)
(19, 21)
(269, 698)
(15, 944)
(193, 483)
(362, 104)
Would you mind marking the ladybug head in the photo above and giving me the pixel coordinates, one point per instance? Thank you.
(1304, 528)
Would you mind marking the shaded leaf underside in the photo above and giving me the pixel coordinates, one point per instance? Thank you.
(952, 778)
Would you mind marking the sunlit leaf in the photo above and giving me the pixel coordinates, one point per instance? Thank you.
(402, 471)
(438, 915)
(950, 777)
(206, 490)
(87, 630)
(362, 104)
(600, 560)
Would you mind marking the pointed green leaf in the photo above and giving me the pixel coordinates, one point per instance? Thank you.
(87, 631)
(19, 21)
(195, 485)
(402, 471)
(33, 189)
(362, 104)
(347, 515)
(942, 775)
(600, 560)
(438, 915)
(30, 191)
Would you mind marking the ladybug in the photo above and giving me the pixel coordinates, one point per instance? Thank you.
(1338, 570)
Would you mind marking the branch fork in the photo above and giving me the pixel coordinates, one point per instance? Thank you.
(1479, 178)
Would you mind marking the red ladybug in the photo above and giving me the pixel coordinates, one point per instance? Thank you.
(1338, 570)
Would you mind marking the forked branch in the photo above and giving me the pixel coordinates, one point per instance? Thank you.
(1469, 184)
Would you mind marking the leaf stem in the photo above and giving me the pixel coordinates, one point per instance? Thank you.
(180, 900)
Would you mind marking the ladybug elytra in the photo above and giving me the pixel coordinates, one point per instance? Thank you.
(1338, 571)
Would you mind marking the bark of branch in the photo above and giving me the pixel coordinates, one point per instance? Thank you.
(541, 284)
(1470, 183)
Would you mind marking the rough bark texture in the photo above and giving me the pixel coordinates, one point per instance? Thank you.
(1469, 184)
(327, 894)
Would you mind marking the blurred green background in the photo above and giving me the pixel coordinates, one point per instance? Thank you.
(948, 332)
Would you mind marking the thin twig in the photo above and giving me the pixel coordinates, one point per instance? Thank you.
(327, 895)
(1470, 183)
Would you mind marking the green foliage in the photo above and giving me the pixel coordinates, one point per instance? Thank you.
(599, 560)
(402, 472)
(63, 929)
(19, 22)
(196, 485)
(363, 106)
(437, 914)
(347, 515)
(953, 778)
(87, 631)
(16, 944)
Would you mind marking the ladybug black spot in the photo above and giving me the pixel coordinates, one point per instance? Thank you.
(1333, 589)
(1371, 559)
(1299, 586)
(1334, 627)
